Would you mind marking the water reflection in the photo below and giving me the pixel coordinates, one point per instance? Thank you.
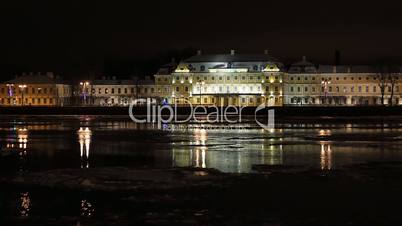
(326, 156)
(84, 138)
(46, 143)
(206, 149)
(25, 204)
(87, 208)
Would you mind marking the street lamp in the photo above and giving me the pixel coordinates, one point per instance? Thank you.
(200, 83)
(22, 87)
(84, 86)
(10, 89)
(325, 84)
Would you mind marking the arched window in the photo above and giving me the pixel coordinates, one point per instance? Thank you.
(202, 68)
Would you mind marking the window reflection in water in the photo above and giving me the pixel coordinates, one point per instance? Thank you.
(326, 156)
(84, 138)
(206, 151)
(25, 206)
(87, 208)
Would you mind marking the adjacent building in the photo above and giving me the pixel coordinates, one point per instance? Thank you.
(35, 89)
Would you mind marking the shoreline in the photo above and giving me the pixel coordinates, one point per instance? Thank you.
(280, 112)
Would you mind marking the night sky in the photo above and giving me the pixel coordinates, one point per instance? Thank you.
(72, 36)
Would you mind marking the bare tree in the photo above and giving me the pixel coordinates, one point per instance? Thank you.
(387, 77)
(382, 82)
(392, 79)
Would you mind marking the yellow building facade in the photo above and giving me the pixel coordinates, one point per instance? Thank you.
(35, 90)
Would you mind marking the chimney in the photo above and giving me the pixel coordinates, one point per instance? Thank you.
(199, 52)
(349, 69)
(304, 58)
(337, 57)
(334, 69)
(266, 52)
(113, 77)
(50, 75)
(173, 60)
(232, 52)
(103, 77)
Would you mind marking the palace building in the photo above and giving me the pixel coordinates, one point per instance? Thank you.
(225, 79)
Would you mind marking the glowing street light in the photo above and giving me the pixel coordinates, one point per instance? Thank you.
(10, 89)
(200, 83)
(325, 84)
(84, 87)
(22, 88)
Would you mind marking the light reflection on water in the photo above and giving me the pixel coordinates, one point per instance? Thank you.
(25, 204)
(96, 142)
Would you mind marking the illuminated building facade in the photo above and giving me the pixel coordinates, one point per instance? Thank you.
(35, 90)
(308, 84)
(225, 79)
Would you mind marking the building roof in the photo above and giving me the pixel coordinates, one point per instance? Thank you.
(36, 79)
(113, 82)
(167, 69)
(230, 58)
(302, 66)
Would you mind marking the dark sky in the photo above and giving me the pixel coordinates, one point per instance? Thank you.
(65, 35)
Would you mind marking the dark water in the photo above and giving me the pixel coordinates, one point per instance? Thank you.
(42, 143)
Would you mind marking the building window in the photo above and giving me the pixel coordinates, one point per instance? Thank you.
(45, 90)
(330, 89)
(291, 78)
(99, 91)
(202, 68)
(313, 88)
(337, 89)
(235, 77)
(298, 78)
(360, 88)
(205, 100)
(276, 89)
(367, 89)
(119, 90)
(220, 78)
(243, 100)
(125, 90)
(132, 90)
(352, 89)
(298, 89)
(291, 89)
(255, 67)
(186, 88)
(243, 77)
(177, 89)
(112, 90)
